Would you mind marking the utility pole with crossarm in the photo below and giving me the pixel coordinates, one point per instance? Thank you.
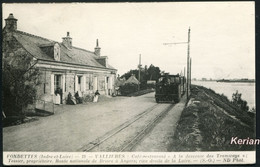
(188, 80)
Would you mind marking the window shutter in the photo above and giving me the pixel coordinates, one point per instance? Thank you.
(110, 82)
(52, 84)
(105, 86)
(95, 83)
(76, 83)
(91, 82)
(83, 83)
(63, 83)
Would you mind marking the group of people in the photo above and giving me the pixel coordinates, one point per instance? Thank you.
(77, 98)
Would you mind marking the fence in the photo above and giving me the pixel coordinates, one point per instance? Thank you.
(44, 106)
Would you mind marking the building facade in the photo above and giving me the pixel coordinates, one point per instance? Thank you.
(61, 65)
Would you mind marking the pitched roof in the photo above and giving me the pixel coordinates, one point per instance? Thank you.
(132, 79)
(75, 55)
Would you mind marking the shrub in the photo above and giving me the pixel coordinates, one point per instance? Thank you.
(19, 83)
(238, 101)
(128, 88)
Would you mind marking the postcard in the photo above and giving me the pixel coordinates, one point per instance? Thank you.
(129, 83)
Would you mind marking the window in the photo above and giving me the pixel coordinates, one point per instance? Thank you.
(79, 79)
(172, 80)
(177, 79)
(89, 82)
(57, 52)
(57, 82)
(101, 83)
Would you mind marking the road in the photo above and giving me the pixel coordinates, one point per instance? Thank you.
(161, 136)
(75, 127)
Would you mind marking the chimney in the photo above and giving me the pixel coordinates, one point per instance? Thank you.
(11, 23)
(67, 41)
(97, 49)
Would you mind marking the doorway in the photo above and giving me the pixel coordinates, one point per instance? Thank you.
(79, 83)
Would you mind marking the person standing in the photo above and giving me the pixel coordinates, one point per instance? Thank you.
(57, 96)
(96, 96)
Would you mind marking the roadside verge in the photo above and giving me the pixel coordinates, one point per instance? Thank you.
(209, 122)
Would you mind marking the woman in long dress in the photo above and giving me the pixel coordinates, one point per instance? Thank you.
(96, 96)
(57, 96)
(57, 99)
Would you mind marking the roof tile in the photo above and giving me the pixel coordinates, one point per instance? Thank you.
(32, 44)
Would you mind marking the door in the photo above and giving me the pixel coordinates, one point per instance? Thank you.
(57, 82)
(79, 83)
(58, 88)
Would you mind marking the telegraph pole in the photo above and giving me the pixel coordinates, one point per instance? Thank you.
(188, 81)
(190, 72)
(184, 76)
(188, 64)
(139, 77)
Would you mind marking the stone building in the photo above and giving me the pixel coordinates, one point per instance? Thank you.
(61, 64)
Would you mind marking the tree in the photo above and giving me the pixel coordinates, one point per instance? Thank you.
(238, 101)
(20, 80)
(129, 73)
(154, 72)
(151, 73)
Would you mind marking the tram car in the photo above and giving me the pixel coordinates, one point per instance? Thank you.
(170, 88)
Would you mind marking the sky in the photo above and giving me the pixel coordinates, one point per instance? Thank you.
(222, 38)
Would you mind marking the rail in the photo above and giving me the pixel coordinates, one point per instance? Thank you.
(130, 143)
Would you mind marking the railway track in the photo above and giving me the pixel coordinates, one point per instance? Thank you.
(127, 135)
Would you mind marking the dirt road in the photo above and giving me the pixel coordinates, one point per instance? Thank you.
(160, 138)
(74, 127)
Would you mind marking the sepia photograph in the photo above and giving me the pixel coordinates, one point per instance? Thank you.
(128, 83)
